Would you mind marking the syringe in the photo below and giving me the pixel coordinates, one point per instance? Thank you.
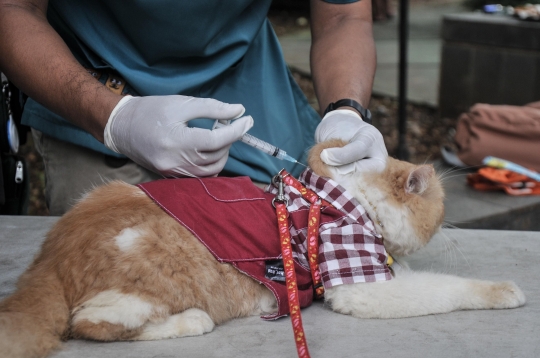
(261, 145)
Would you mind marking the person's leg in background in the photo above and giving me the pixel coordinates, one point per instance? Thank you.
(72, 171)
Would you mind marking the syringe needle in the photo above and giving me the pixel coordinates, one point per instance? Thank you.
(285, 156)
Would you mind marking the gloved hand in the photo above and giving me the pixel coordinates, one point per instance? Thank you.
(153, 132)
(366, 150)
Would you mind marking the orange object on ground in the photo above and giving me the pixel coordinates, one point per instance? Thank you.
(503, 179)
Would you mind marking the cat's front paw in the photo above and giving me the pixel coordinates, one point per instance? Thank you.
(506, 294)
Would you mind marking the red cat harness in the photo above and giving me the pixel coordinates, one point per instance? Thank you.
(235, 220)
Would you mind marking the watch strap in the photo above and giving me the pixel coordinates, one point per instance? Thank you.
(347, 102)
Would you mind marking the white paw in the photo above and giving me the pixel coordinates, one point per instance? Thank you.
(191, 322)
(195, 322)
(505, 295)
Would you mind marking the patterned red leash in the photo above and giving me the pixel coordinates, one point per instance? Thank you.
(280, 203)
(290, 281)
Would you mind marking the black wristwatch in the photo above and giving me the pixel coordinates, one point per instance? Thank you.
(365, 113)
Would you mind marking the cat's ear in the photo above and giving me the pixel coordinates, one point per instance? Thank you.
(418, 179)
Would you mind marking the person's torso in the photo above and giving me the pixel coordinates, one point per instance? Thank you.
(222, 50)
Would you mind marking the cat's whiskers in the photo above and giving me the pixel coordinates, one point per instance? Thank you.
(444, 175)
(449, 170)
(445, 179)
(455, 245)
(452, 253)
(447, 254)
(458, 249)
(448, 225)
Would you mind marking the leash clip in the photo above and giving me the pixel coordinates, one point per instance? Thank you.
(277, 181)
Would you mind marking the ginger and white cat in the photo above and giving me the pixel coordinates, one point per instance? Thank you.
(117, 267)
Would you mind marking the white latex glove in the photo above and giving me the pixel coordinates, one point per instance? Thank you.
(365, 152)
(152, 131)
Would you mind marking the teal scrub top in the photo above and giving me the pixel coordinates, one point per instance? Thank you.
(225, 50)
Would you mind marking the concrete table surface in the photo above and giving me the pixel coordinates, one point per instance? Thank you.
(494, 255)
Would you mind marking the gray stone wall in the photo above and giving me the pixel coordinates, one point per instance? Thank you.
(488, 59)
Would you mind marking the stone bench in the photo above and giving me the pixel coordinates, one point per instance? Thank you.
(491, 59)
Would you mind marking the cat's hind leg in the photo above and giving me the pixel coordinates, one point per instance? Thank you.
(111, 315)
(191, 322)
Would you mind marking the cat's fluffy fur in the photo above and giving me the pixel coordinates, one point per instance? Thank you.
(117, 267)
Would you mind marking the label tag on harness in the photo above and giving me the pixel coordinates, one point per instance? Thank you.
(274, 270)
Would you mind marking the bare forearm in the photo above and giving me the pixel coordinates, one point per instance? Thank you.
(343, 56)
(37, 60)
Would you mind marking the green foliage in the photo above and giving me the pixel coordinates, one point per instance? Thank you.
(479, 4)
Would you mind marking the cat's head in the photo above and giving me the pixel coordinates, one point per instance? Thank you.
(405, 201)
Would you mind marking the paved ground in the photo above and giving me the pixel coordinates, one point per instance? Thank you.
(465, 207)
(493, 255)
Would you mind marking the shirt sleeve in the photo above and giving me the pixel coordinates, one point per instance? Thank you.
(351, 253)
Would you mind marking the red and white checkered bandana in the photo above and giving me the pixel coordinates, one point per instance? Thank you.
(350, 250)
